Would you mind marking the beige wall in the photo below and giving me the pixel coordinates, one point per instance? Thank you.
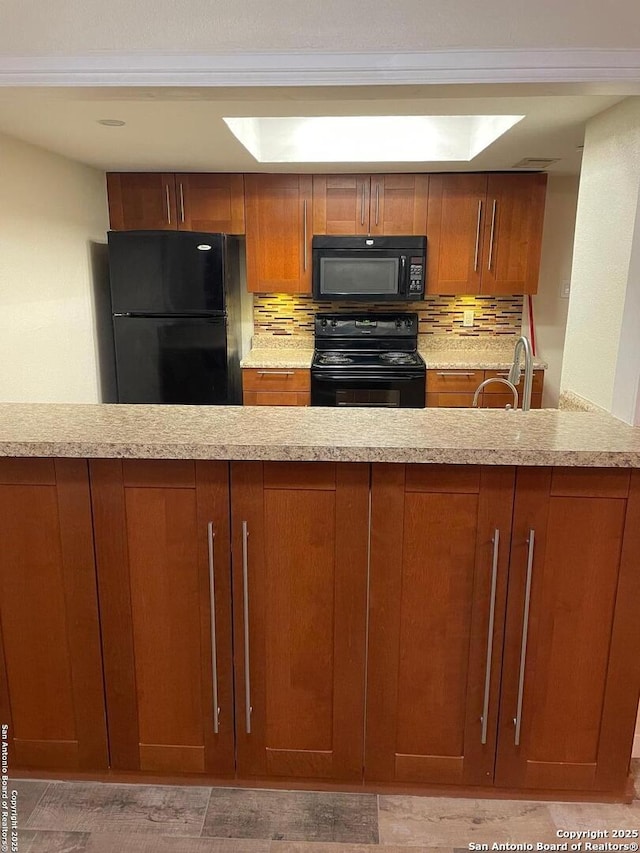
(550, 308)
(51, 210)
(603, 251)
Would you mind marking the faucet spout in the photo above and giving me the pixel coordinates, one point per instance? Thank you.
(523, 345)
(486, 382)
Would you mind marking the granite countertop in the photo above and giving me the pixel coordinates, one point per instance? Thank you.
(473, 353)
(452, 436)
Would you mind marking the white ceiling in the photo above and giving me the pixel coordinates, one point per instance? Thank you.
(183, 129)
(89, 27)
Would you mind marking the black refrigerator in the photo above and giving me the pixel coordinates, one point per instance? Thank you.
(175, 300)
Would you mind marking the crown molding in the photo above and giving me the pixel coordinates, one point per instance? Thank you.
(325, 69)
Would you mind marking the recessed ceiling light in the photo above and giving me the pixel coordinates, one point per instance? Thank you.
(111, 122)
(368, 139)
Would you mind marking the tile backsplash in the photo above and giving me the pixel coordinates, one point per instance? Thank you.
(285, 314)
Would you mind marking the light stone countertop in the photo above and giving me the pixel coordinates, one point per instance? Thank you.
(278, 357)
(451, 436)
(470, 359)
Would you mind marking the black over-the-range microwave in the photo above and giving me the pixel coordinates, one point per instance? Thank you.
(369, 268)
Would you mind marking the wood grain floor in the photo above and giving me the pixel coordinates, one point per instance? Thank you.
(74, 817)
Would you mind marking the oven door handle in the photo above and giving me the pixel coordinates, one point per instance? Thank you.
(405, 376)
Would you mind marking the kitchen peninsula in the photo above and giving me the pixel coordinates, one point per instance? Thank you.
(202, 592)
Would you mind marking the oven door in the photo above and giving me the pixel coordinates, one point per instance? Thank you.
(389, 390)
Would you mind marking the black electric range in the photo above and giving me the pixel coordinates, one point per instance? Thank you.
(367, 359)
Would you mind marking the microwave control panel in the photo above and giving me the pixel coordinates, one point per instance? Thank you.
(416, 276)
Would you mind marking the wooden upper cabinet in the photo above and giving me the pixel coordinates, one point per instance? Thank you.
(162, 548)
(370, 204)
(439, 564)
(341, 204)
(51, 693)
(571, 646)
(142, 200)
(484, 233)
(279, 232)
(399, 204)
(300, 545)
(211, 202)
(454, 233)
(513, 233)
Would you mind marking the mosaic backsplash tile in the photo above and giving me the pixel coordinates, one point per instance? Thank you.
(286, 314)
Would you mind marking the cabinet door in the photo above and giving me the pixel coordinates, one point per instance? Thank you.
(211, 202)
(571, 662)
(278, 212)
(439, 555)
(399, 204)
(454, 233)
(162, 546)
(300, 536)
(513, 233)
(142, 201)
(51, 694)
(341, 204)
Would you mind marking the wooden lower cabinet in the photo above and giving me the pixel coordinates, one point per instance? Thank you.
(300, 545)
(439, 563)
(571, 665)
(162, 547)
(51, 695)
(276, 386)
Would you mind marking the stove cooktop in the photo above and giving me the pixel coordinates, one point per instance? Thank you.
(366, 358)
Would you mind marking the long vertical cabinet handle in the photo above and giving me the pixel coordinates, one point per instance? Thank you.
(493, 229)
(304, 231)
(166, 195)
(377, 201)
(492, 616)
(475, 257)
(362, 205)
(245, 607)
(181, 203)
(531, 541)
(214, 649)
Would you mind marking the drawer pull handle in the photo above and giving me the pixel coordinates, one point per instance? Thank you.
(214, 651)
(525, 635)
(492, 616)
(275, 373)
(456, 373)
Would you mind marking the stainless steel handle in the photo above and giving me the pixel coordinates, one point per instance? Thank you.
(493, 228)
(181, 203)
(304, 231)
(362, 205)
(475, 257)
(275, 372)
(214, 648)
(166, 194)
(492, 616)
(377, 201)
(245, 608)
(456, 373)
(517, 720)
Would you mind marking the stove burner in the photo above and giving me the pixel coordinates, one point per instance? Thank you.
(335, 358)
(398, 357)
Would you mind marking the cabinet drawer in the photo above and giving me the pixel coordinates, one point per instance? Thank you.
(499, 388)
(448, 400)
(277, 398)
(454, 380)
(276, 379)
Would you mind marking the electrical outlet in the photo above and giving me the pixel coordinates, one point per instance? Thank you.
(566, 289)
(467, 317)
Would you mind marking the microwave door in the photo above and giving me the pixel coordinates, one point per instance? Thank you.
(341, 275)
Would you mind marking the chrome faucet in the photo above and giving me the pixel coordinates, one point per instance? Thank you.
(514, 374)
(496, 379)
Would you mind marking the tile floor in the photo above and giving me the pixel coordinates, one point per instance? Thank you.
(75, 817)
